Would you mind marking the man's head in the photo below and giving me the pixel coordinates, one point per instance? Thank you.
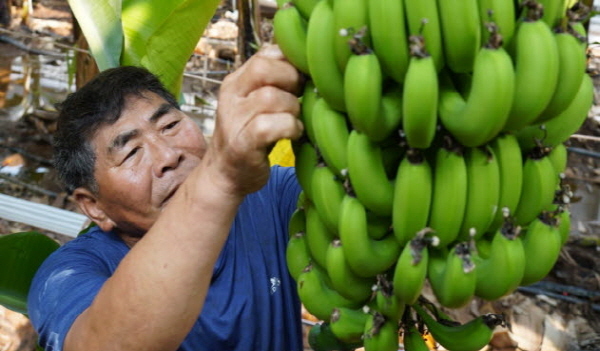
(123, 147)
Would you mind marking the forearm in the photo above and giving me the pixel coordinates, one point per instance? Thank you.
(158, 290)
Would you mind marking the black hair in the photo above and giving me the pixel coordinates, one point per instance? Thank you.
(98, 103)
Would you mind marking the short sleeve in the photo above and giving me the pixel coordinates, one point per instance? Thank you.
(64, 286)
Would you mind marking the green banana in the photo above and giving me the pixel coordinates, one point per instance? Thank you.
(471, 336)
(423, 19)
(503, 267)
(412, 196)
(539, 184)
(348, 324)
(363, 89)
(412, 339)
(317, 236)
(306, 160)
(367, 174)
(510, 164)
(321, 338)
(558, 129)
(387, 25)
(290, 34)
(554, 10)
(564, 225)
(386, 302)
(559, 156)
(419, 119)
(477, 120)
(536, 70)
(350, 18)
(449, 187)
(331, 134)
(452, 275)
(322, 65)
(309, 97)
(483, 192)
(572, 62)
(378, 226)
(542, 243)
(411, 270)
(391, 114)
(297, 253)
(305, 7)
(380, 334)
(328, 193)
(316, 295)
(365, 256)
(343, 280)
(500, 12)
(461, 33)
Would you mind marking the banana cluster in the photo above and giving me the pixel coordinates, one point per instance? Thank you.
(433, 152)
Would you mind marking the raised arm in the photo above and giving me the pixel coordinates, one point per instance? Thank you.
(158, 289)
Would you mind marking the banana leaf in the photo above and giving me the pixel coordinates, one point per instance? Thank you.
(21, 254)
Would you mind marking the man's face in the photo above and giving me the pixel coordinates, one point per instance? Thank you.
(142, 159)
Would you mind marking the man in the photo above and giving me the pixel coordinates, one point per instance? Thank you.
(189, 252)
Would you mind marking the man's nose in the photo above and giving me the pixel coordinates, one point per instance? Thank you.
(166, 157)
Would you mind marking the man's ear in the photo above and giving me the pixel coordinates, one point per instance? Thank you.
(91, 207)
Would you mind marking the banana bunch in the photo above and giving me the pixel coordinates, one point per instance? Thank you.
(433, 153)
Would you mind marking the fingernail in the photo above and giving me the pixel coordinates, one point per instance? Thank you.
(272, 51)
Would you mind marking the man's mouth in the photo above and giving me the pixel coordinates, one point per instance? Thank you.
(170, 195)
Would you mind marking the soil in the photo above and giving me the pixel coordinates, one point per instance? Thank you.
(539, 319)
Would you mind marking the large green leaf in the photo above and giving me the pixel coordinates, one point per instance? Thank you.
(161, 35)
(21, 254)
(100, 22)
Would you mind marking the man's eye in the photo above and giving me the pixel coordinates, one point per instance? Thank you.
(171, 125)
(132, 153)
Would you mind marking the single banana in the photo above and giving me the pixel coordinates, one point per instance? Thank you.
(449, 187)
(386, 301)
(479, 118)
(423, 19)
(503, 14)
(410, 272)
(419, 119)
(387, 25)
(412, 339)
(331, 134)
(363, 89)
(564, 225)
(483, 192)
(452, 276)
(559, 156)
(289, 28)
(510, 164)
(554, 10)
(306, 160)
(316, 295)
(539, 184)
(305, 7)
(461, 33)
(328, 193)
(391, 114)
(343, 280)
(572, 62)
(558, 129)
(322, 65)
(317, 236)
(542, 243)
(321, 338)
(351, 18)
(380, 334)
(297, 253)
(348, 324)
(502, 267)
(365, 256)
(367, 174)
(412, 196)
(471, 336)
(309, 97)
(536, 70)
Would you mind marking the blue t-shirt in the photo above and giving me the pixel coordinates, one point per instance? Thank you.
(252, 302)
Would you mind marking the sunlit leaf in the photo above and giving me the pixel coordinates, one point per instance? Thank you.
(21, 254)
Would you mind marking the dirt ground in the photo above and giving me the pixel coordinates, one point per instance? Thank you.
(563, 314)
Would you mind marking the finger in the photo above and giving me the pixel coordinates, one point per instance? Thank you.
(260, 71)
(269, 99)
(266, 129)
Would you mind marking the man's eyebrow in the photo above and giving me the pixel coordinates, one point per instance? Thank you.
(160, 111)
(121, 140)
